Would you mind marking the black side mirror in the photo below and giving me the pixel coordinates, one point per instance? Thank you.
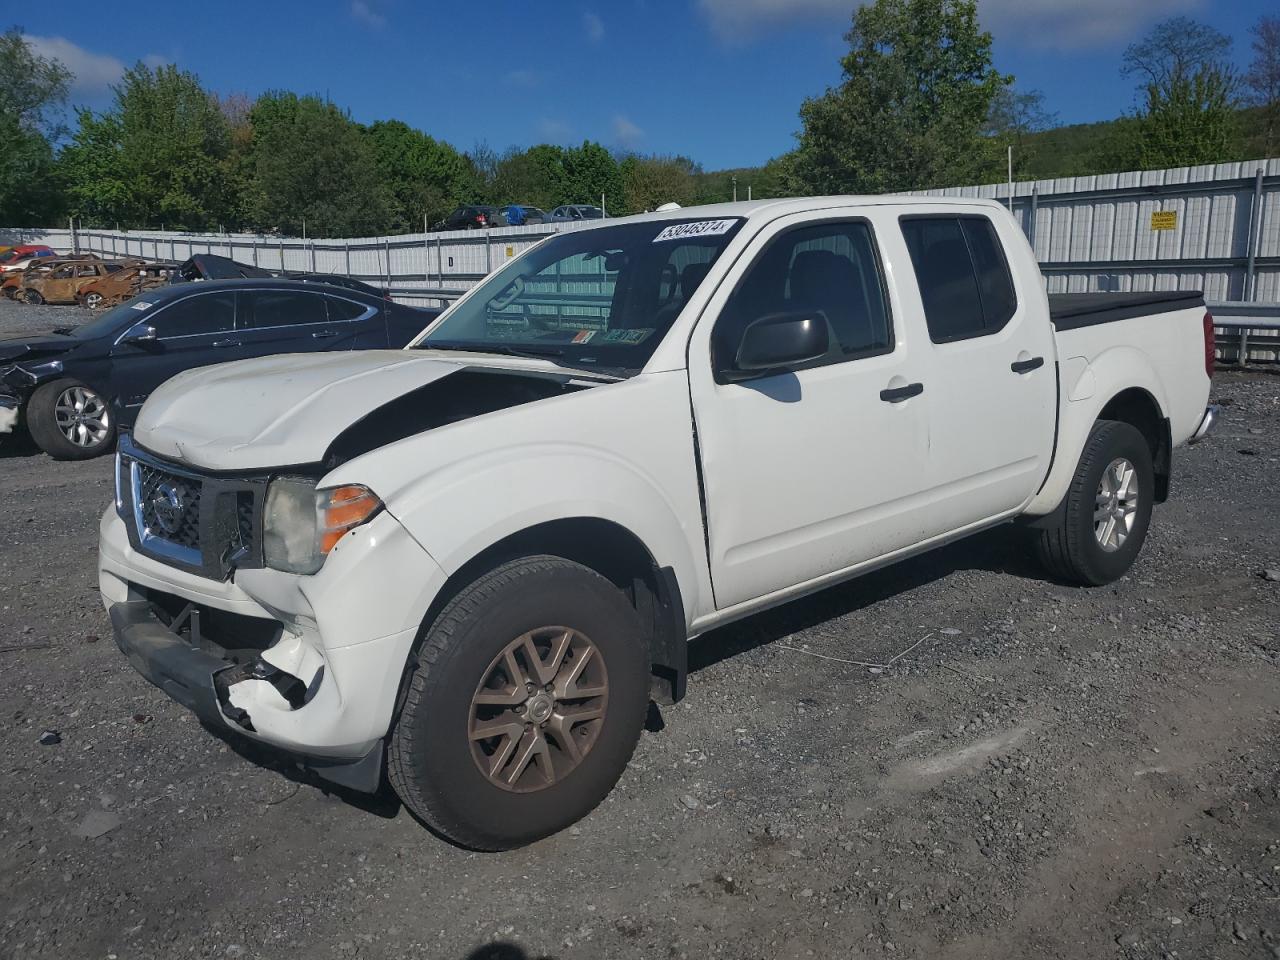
(779, 340)
(140, 333)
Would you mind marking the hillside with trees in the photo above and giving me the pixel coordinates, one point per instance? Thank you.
(920, 104)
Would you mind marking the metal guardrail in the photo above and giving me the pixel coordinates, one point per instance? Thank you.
(1245, 330)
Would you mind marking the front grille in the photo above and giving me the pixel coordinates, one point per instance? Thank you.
(205, 523)
(170, 506)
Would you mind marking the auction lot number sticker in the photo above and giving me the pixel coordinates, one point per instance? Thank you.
(698, 228)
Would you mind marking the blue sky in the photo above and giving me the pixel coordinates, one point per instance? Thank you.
(717, 80)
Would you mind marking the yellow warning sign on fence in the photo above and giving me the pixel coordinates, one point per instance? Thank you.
(1164, 220)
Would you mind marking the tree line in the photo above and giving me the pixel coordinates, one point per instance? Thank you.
(920, 104)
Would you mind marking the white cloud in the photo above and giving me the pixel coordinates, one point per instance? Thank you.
(594, 27)
(94, 72)
(1081, 23)
(626, 133)
(1039, 23)
(734, 21)
(367, 13)
(524, 78)
(554, 131)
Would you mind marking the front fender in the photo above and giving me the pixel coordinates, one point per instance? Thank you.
(458, 511)
(1083, 393)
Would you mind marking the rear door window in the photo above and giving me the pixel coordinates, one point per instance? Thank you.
(962, 275)
(341, 310)
(284, 308)
(193, 316)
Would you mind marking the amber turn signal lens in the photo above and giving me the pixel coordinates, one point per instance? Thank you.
(342, 509)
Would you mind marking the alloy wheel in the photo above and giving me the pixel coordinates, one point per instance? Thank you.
(539, 709)
(1116, 505)
(82, 416)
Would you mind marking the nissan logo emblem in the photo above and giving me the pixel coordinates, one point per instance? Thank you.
(168, 504)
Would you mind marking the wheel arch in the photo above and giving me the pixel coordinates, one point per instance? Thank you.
(618, 555)
(1138, 408)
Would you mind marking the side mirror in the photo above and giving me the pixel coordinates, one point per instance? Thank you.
(779, 340)
(140, 333)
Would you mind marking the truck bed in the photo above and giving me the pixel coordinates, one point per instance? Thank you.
(1072, 310)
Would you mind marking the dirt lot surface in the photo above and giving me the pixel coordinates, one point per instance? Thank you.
(1048, 772)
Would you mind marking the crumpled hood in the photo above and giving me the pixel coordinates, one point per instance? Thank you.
(275, 411)
(37, 347)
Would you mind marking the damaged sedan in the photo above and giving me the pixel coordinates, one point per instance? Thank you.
(77, 386)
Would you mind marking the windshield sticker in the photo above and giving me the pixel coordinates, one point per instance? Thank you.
(142, 305)
(582, 336)
(633, 336)
(699, 228)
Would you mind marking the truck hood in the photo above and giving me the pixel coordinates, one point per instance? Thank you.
(275, 411)
(303, 409)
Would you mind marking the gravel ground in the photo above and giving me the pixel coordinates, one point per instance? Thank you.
(1048, 772)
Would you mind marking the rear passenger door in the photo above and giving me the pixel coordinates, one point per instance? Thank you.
(296, 321)
(991, 377)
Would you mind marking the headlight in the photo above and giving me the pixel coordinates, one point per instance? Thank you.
(302, 524)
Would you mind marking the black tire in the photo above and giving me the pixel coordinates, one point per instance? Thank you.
(430, 757)
(42, 423)
(1070, 549)
(32, 297)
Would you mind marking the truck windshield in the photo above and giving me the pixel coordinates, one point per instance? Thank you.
(601, 298)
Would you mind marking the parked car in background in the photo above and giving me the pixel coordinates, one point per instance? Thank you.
(122, 285)
(210, 266)
(338, 280)
(575, 211)
(63, 283)
(469, 566)
(78, 385)
(22, 260)
(522, 215)
(473, 217)
(12, 283)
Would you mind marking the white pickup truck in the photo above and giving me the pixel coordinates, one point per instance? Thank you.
(467, 566)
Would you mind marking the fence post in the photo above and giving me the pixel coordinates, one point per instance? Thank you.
(346, 247)
(426, 252)
(1255, 233)
(439, 263)
(387, 244)
(488, 252)
(313, 256)
(282, 254)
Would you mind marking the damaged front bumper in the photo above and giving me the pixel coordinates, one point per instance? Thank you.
(8, 413)
(198, 674)
(310, 665)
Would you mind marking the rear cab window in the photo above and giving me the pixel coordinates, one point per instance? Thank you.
(962, 274)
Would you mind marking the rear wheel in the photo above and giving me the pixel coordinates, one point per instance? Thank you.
(1104, 519)
(70, 421)
(92, 300)
(526, 703)
(32, 297)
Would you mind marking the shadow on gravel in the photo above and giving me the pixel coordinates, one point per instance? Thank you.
(383, 804)
(997, 551)
(17, 445)
(500, 951)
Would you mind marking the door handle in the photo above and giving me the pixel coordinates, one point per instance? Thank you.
(323, 334)
(221, 344)
(1026, 366)
(898, 394)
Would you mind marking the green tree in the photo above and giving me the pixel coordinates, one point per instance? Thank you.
(591, 171)
(158, 156)
(32, 90)
(535, 176)
(313, 164)
(649, 182)
(1016, 115)
(1263, 82)
(422, 176)
(1188, 109)
(917, 91)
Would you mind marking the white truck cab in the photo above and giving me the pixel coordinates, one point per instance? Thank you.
(468, 565)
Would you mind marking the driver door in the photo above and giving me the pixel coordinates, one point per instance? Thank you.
(811, 469)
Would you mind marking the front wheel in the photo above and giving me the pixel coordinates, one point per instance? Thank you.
(70, 421)
(1104, 519)
(32, 297)
(92, 300)
(525, 705)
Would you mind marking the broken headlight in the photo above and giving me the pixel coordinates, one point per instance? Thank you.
(302, 524)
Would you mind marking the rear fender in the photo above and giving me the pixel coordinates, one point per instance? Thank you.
(1091, 387)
